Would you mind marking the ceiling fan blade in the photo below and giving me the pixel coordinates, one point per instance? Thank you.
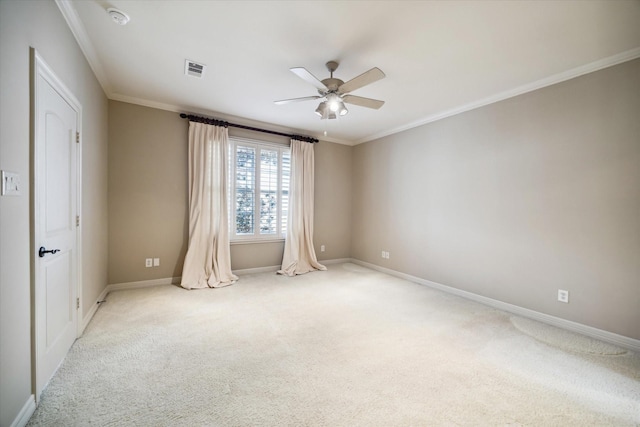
(287, 101)
(368, 77)
(308, 77)
(363, 102)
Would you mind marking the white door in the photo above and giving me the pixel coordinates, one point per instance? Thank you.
(55, 226)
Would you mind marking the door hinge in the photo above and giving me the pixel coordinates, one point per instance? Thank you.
(77, 137)
(77, 303)
(77, 220)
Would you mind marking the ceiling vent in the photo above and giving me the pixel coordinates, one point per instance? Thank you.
(194, 69)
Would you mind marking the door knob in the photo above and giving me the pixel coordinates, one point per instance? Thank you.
(42, 251)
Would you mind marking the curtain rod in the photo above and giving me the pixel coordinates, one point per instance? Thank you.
(222, 123)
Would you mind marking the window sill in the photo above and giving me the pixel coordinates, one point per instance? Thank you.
(254, 241)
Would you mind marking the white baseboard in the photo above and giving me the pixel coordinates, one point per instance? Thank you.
(25, 413)
(610, 337)
(121, 286)
(92, 311)
(143, 284)
(277, 267)
(335, 261)
(256, 270)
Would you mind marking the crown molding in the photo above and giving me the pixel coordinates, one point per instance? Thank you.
(147, 103)
(221, 116)
(77, 28)
(82, 38)
(529, 87)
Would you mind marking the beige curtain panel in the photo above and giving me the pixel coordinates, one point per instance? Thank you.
(299, 256)
(208, 260)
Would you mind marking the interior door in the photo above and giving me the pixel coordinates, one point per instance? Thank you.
(55, 232)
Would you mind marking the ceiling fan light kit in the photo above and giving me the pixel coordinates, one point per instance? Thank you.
(324, 111)
(334, 91)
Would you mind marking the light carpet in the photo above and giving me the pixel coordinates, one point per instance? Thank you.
(564, 339)
(346, 347)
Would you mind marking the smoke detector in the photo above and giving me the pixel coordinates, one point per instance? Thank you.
(118, 16)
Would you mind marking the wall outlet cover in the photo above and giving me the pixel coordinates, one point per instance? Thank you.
(563, 296)
(10, 184)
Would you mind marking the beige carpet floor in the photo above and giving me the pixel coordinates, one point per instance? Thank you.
(345, 347)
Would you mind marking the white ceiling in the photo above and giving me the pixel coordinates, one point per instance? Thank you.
(440, 57)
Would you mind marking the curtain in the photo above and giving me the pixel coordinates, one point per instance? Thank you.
(208, 260)
(299, 256)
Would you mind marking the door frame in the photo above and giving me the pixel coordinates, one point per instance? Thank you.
(39, 68)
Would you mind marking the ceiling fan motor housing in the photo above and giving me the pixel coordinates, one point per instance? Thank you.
(331, 84)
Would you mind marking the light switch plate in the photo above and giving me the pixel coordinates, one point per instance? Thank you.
(10, 183)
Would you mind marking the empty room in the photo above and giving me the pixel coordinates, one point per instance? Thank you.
(319, 213)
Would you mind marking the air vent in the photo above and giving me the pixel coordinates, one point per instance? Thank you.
(194, 69)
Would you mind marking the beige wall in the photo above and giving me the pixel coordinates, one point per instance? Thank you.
(148, 197)
(516, 200)
(147, 192)
(511, 201)
(332, 217)
(25, 24)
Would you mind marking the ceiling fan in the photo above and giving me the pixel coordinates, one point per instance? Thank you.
(335, 91)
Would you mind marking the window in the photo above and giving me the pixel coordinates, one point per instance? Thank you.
(259, 189)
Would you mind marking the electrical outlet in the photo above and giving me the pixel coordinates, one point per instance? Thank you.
(148, 262)
(156, 262)
(388, 254)
(563, 296)
(322, 248)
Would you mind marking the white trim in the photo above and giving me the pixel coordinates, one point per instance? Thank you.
(79, 227)
(256, 270)
(258, 146)
(143, 284)
(253, 240)
(335, 261)
(256, 142)
(157, 105)
(77, 28)
(610, 337)
(176, 280)
(92, 312)
(529, 87)
(273, 268)
(25, 413)
(80, 33)
(221, 116)
(43, 70)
